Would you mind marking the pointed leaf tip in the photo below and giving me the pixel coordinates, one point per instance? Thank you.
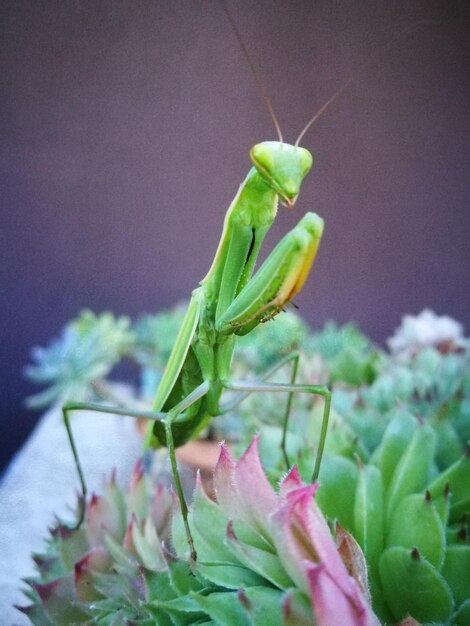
(224, 488)
(137, 472)
(27, 610)
(97, 559)
(128, 543)
(243, 598)
(230, 533)
(242, 490)
(291, 480)
(60, 530)
(259, 497)
(353, 559)
(302, 495)
(46, 590)
(225, 462)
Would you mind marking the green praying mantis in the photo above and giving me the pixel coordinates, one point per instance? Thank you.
(231, 300)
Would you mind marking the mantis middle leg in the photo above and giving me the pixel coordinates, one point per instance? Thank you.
(291, 388)
(293, 357)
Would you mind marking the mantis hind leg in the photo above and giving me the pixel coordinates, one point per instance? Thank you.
(172, 415)
(91, 406)
(293, 378)
(291, 388)
(293, 357)
(168, 419)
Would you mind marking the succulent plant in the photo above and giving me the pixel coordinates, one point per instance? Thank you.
(276, 541)
(411, 521)
(396, 473)
(88, 348)
(101, 563)
(263, 557)
(398, 441)
(426, 329)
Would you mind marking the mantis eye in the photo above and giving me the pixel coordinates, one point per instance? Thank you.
(306, 161)
(262, 156)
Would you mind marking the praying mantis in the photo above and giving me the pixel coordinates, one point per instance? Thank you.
(231, 300)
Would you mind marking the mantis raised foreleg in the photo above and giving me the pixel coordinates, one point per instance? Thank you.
(229, 302)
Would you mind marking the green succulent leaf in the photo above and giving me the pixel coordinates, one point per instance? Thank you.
(337, 489)
(148, 546)
(415, 523)
(456, 479)
(224, 608)
(264, 563)
(449, 446)
(400, 430)
(413, 470)
(207, 522)
(262, 605)
(368, 514)
(71, 544)
(412, 586)
(181, 610)
(229, 575)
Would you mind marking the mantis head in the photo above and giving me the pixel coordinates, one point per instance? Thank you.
(283, 167)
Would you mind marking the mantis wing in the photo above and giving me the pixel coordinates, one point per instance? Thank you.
(175, 363)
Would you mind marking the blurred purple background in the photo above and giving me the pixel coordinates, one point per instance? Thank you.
(125, 132)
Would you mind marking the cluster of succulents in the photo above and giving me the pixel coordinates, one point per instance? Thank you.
(411, 520)
(262, 557)
(84, 354)
(397, 464)
(394, 486)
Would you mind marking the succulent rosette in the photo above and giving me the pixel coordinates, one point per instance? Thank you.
(97, 569)
(411, 521)
(76, 362)
(258, 539)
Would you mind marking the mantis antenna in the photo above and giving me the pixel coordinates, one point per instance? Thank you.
(259, 82)
(378, 51)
